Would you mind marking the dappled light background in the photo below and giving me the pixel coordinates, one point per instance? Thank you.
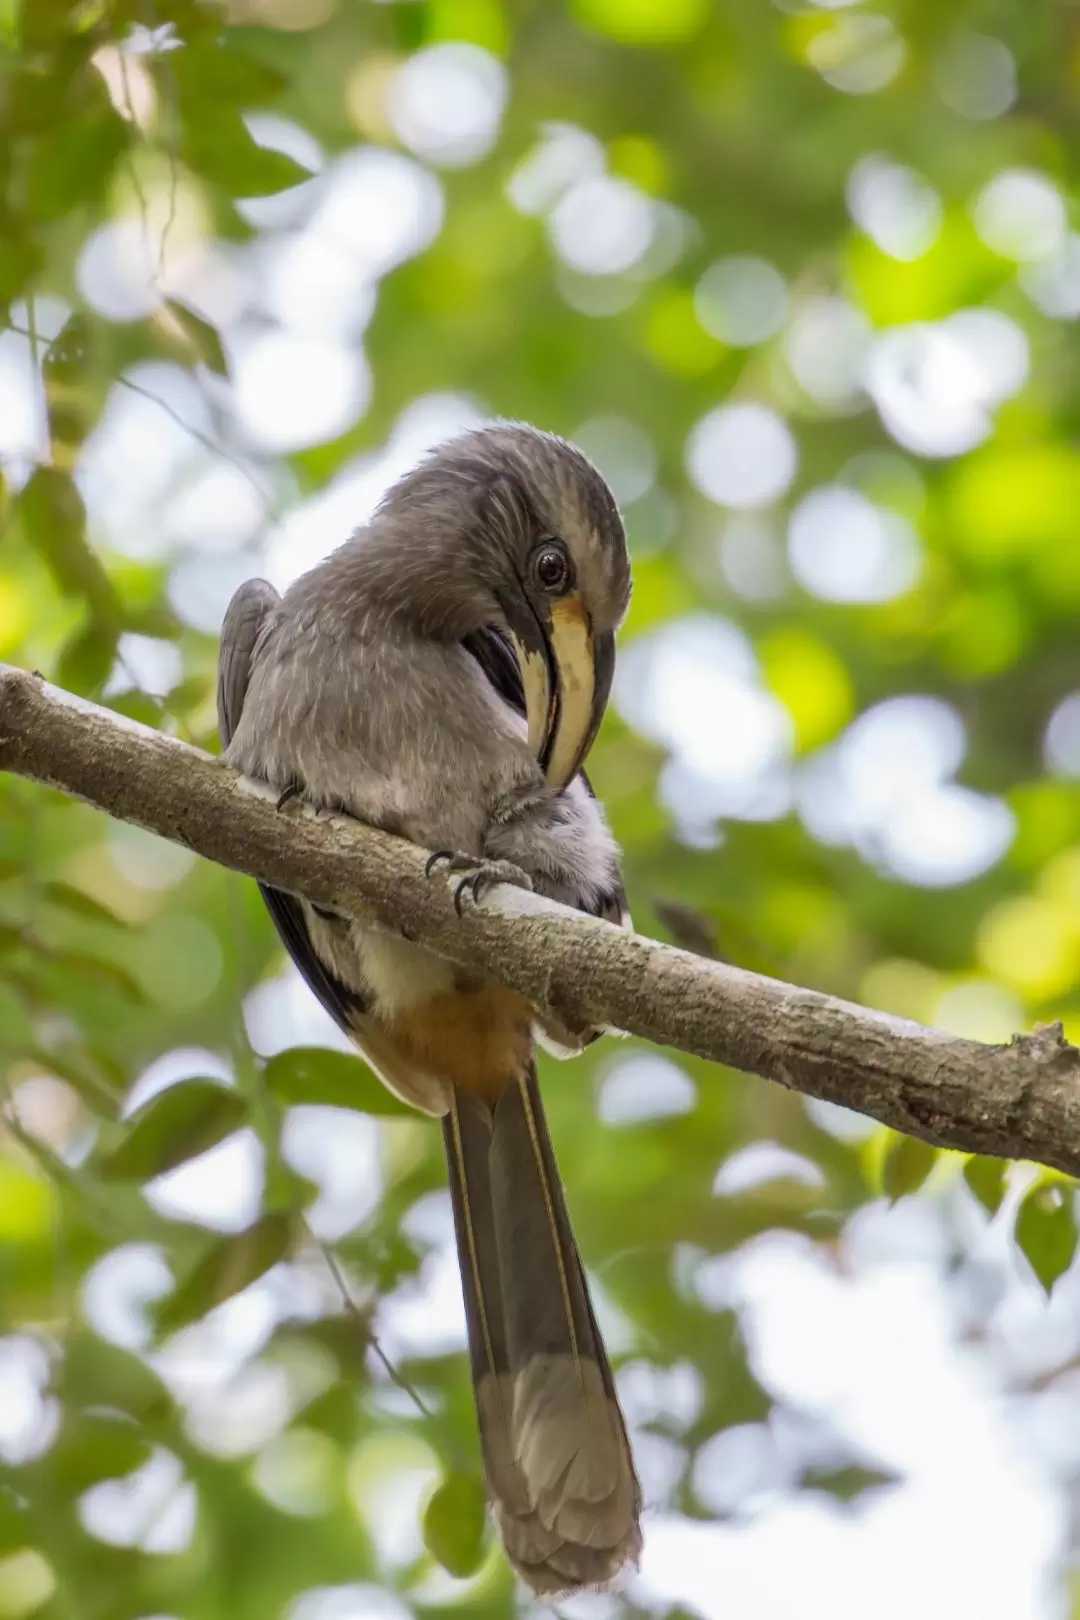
(803, 278)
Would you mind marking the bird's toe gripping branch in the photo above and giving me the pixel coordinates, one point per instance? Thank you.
(479, 875)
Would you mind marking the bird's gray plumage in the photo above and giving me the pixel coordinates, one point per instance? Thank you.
(385, 684)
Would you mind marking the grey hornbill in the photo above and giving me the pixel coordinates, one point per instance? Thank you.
(442, 675)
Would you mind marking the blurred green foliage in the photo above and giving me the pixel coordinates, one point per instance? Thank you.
(739, 122)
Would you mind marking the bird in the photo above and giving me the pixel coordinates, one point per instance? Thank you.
(442, 675)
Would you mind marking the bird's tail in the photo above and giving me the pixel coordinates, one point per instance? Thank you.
(559, 1470)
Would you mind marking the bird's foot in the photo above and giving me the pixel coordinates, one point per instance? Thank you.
(291, 792)
(479, 875)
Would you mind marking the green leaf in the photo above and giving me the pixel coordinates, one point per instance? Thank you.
(189, 694)
(82, 904)
(227, 1268)
(70, 402)
(202, 336)
(1046, 1231)
(847, 1483)
(98, 1092)
(65, 360)
(211, 72)
(9, 23)
(72, 163)
(95, 1445)
(16, 1523)
(454, 1522)
(86, 660)
(907, 1164)
(176, 1125)
(220, 147)
(986, 1178)
(96, 1373)
(53, 518)
(138, 706)
(107, 976)
(318, 1074)
(21, 257)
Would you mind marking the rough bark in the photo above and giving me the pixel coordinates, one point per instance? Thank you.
(1018, 1101)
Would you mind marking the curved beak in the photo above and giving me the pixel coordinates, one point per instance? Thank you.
(566, 671)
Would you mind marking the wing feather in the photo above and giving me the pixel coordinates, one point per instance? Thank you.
(245, 622)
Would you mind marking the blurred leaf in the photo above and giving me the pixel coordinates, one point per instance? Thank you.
(658, 23)
(53, 517)
(78, 901)
(16, 1529)
(71, 165)
(95, 1445)
(347, 1338)
(691, 929)
(68, 397)
(204, 338)
(987, 1180)
(86, 660)
(210, 71)
(454, 1523)
(190, 694)
(93, 970)
(98, 1091)
(176, 1125)
(1046, 1231)
(318, 1074)
(102, 1375)
(906, 1166)
(21, 258)
(811, 682)
(847, 1484)
(156, 620)
(138, 706)
(219, 146)
(230, 1266)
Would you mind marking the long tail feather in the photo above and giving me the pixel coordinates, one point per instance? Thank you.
(558, 1464)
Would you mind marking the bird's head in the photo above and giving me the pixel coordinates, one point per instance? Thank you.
(537, 535)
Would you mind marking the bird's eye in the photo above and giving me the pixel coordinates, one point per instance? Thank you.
(551, 568)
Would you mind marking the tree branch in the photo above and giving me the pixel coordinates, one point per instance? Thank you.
(1017, 1101)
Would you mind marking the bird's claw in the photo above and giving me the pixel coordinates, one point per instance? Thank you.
(485, 877)
(291, 792)
(479, 875)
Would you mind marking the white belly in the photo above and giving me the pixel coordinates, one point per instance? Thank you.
(400, 975)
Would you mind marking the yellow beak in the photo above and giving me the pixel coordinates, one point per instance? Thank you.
(566, 690)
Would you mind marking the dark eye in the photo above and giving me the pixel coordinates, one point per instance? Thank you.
(551, 567)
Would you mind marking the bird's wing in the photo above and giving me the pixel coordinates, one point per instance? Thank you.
(245, 621)
(493, 652)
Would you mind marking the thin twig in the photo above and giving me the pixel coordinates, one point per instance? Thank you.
(132, 167)
(358, 1317)
(193, 432)
(206, 442)
(169, 143)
